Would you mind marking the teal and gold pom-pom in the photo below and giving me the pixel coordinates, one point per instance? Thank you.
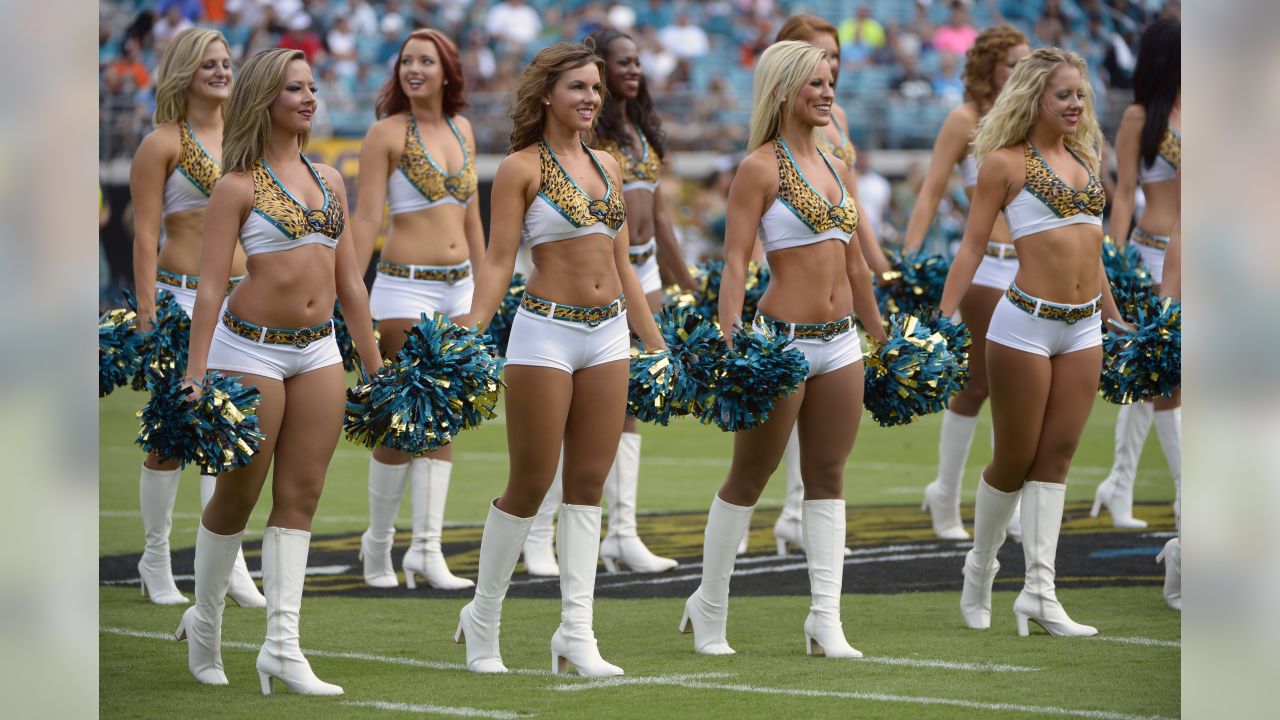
(119, 349)
(655, 377)
(959, 342)
(910, 375)
(1131, 283)
(444, 380)
(913, 285)
(164, 347)
(697, 346)
(218, 431)
(706, 299)
(752, 377)
(498, 332)
(350, 357)
(1146, 363)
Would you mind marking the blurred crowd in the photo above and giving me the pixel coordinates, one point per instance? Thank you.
(903, 57)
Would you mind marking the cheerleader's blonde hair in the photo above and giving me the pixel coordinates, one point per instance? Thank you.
(248, 126)
(781, 71)
(177, 66)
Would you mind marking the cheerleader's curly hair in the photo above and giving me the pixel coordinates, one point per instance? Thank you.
(528, 114)
(980, 63)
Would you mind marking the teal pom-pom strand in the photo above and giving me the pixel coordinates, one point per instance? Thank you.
(498, 332)
(959, 342)
(913, 285)
(218, 432)
(444, 380)
(1145, 363)
(697, 346)
(759, 371)
(1131, 282)
(705, 301)
(655, 377)
(346, 346)
(119, 349)
(164, 346)
(912, 374)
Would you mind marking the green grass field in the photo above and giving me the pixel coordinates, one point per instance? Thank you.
(395, 656)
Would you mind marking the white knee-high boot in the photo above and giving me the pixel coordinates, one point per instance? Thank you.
(1042, 505)
(788, 529)
(284, 567)
(991, 512)
(386, 488)
(824, 534)
(942, 496)
(1116, 492)
(157, 491)
(539, 546)
(706, 612)
(428, 490)
(622, 545)
(1169, 430)
(242, 589)
(201, 624)
(574, 642)
(480, 620)
(1171, 556)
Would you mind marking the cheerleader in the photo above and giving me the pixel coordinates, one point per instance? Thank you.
(790, 193)
(567, 358)
(1148, 153)
(1171, 286)
(275, 331)
(1037, 150)
(834, 141)
(173, 172)
(988, 65)
(419, 158)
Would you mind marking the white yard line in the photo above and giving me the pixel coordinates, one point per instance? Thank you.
(881, 697)
(437, 710)
(1150, 642)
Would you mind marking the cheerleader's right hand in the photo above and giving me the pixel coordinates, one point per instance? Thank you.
(146, 319)
(191, 389)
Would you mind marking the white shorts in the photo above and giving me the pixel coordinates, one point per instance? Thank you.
(565, 344)
(997, 271)
(1152, 257)
(646, 268)
(823, 356)
(1016, 327)
(394, 298)
(234, 353)
(186, 293)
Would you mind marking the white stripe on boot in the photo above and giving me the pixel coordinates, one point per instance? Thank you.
(201, 624)
(824, 535)
(706, 612)
(284, 568)
(157, 491)
(1041, 524)
(1169, 430)
(622, 545)
(942, 496)
(539, 547)
(428, 490)
(386, 489)
(574, 642)
(1116, 492)
(242, 588)
(480, 620)
(991, 512)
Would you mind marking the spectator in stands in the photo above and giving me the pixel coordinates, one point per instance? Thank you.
(514, 24)
(946, 80)
(235, 29)
(192, 10)
(957, 36)
(478, 62)
(1128, 16)
(860, 36)
(300, 36)
(392, 28)
(912, 84)
(171, 23)
(1051, 26)
(921, 28)
(759, 38)
(127, 75)
(656, 14)
(342, 47)
(873, 195)
(684, 39)
(657, 60)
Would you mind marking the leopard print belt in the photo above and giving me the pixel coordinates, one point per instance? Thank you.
(1152, 241)
(190, 282)
(1069, 314)
(1002, 251)
(591, 316)
(299, 338)
(808, 331)
(451, 274)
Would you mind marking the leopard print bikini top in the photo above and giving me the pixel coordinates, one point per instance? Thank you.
(800, 215)
(563, 210)
(418, 182)
(1046, 201)
(641, 174)
(279, 221)
(192, 180)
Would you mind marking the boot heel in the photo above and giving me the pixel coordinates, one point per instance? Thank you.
(810, 644)
(265, 679)
(409, 582)
(459, 637)
(558, 664)
(782, 548)
(685, 627)
(181, 632)
(610, 564)
(142, 586)
(1021, 619)
(1097, 504)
